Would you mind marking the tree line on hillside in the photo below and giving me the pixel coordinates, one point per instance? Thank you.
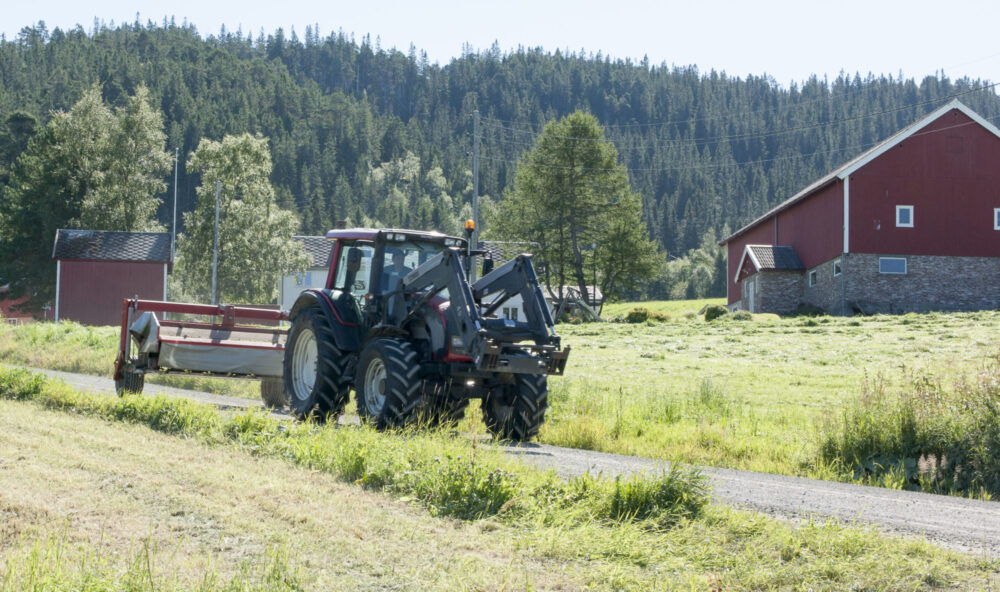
(373, 135)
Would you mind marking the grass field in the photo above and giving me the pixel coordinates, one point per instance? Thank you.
(144, 493)
(760, 394)
(748, 394)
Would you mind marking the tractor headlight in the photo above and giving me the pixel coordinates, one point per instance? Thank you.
(457, 344)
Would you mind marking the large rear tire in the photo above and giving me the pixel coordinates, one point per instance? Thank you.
(388, 385)
(516, 411)
(272, 392)
(314, 367)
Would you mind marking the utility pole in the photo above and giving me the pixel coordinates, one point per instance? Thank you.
(173, 232)
(475, 191)
(215, 244)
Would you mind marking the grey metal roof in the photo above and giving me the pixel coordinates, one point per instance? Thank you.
(107, 245)
(771, 257)
(318, 248)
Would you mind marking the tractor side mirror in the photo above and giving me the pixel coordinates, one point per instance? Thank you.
(487, 266)
(353, 259)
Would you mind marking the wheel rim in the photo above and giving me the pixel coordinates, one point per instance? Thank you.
(304, 359)
(375, 377)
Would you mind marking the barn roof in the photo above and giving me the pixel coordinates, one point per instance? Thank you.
(865, 157)
(107, 245)
(771, 258)
(318, 248)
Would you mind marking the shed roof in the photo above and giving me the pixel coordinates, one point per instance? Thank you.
(867, 156)
(107, 245)
(318, 248)
(771, 258)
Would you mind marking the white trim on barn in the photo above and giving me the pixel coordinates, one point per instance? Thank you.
(847, 213)
(58, 274)
(743, 258)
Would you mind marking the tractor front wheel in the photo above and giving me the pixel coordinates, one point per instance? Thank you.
(516, 411)
(387, 384)
(314, 367)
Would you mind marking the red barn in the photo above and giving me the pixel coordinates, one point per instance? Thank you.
(97, 269)
(911, 225)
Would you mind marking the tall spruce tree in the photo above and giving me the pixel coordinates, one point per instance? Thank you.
(573, 198)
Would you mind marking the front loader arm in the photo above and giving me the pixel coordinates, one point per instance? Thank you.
(517, 278)
(445, 271)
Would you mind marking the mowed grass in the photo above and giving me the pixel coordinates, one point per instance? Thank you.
(747, 394)
(675, 309)
(102, 493)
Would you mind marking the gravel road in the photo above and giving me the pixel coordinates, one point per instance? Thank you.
(963, 524)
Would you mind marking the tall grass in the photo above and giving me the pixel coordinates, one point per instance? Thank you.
(450, 476)
(923, 436)
(71, 347)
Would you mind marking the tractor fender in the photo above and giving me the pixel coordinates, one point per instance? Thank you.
(341, 312)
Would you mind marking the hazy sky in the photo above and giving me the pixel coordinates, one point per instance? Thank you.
(787, 39)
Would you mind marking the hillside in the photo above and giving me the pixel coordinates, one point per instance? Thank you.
(705, 150)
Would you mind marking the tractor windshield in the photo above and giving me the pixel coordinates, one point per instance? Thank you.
(402, 258)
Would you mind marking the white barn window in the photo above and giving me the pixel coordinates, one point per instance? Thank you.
(996, 218)
(892, 265)
(904, 216)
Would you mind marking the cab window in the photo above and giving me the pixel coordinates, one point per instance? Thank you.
(362, 279)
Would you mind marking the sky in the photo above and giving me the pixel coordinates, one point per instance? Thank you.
(788, 40)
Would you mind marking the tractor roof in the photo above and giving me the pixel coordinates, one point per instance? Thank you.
(372, 233)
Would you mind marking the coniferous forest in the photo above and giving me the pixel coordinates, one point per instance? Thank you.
(372, 135)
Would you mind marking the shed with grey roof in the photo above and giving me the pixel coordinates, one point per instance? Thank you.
(97, 269)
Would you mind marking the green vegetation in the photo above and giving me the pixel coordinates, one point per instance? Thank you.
(754, 394)
(71, 347)
(255, 235)
(586, 533)
(675, 309)
(90, 167)
(703, 150)
(922, 435)
(573, 199)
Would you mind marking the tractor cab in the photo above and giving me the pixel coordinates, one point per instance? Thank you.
(369, 266)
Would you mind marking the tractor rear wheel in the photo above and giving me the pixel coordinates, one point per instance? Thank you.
(131, 382)
(314, 367)
(388, 387)
(516, 411)
(272, 392)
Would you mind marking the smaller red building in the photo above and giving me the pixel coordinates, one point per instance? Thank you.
(97, 269)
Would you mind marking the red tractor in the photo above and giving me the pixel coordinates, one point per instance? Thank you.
(398, 322)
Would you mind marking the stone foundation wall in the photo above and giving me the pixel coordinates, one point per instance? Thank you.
(826, 294)
(930, 283)
(779, 292)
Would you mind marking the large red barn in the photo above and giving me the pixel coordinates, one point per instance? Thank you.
(911, 225)
(97, 269)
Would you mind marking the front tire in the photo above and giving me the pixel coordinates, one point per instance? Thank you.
(314, 367)
(516, 411)
(388, 387)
